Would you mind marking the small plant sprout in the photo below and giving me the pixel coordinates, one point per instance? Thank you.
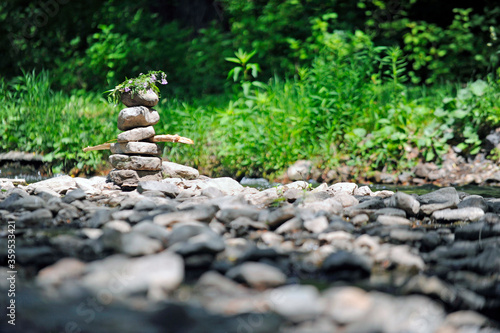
(242, 59)
(140, 84)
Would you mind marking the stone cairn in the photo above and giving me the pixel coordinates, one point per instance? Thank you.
(136, 154)
(134, 157)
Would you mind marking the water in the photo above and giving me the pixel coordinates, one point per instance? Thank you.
(29, 172)
(484, 191)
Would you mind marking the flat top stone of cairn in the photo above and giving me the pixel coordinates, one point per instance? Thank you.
(137, 116)
(136, 134)
(147, 98)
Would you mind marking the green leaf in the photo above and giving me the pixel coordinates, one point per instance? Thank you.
(460, 114)
(235, 60)
(236, 73)
(359, 132)
(464, 94)
(478, 87)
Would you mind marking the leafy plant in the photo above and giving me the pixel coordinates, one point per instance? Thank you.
(242, 59)
(142, 83)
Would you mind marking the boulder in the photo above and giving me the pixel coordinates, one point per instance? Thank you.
(174, 170)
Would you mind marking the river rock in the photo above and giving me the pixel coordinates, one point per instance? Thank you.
(40, 217)
(231, 214)
(174, 170)
(201, 213)
(138, 116)
(136, 134)
(137, 244)
(60, 184)
(279, 216)
(169, 190)
(296, 302)
(28, 203)
(346, 266)
(131, 178)
(393, 220)
(77, 194)
(460, 214)
(145, 148)
(144, 98)
(155, 274)
(345, 305)
(405, 202)
(300, 170)
(349, 188)
(474, 201)
(189, 238)
(124, 162)
(257, 275)
(316, 225)
(63, 270)
(118, 225)
(441, 199)
(227, 185)
(152, 230)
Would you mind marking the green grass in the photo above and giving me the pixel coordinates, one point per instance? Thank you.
(333, 115)
(37, 119)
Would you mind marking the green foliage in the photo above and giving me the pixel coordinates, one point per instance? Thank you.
(242, 60)
(142, 83)
(37, 119)
(330, 89)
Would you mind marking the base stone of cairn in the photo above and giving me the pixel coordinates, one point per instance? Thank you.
(133, 157)
(131, 178)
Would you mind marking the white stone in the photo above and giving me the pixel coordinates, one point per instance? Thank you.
(174, 170)
(316, 225)
(342, 187)
(60, 184)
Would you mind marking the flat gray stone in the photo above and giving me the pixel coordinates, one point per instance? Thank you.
(168, 189)
(136, 134)
(152, 274)
(460, 214)
(174, 170)
(297, 302)
(124, 162)
(474, 201)
(131, 178)
(138, 116)
(146, 148)
(257, 275)
(144, 98)
(389, 220)
(60, 184)
(138, 244)
(316, 225)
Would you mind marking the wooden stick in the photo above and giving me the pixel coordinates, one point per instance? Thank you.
(171, 138)
(104, 146)
(156, 138)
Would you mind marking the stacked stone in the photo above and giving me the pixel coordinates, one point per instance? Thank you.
(135, 157)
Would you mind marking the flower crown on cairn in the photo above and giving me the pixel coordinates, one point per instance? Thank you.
(142, 83)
